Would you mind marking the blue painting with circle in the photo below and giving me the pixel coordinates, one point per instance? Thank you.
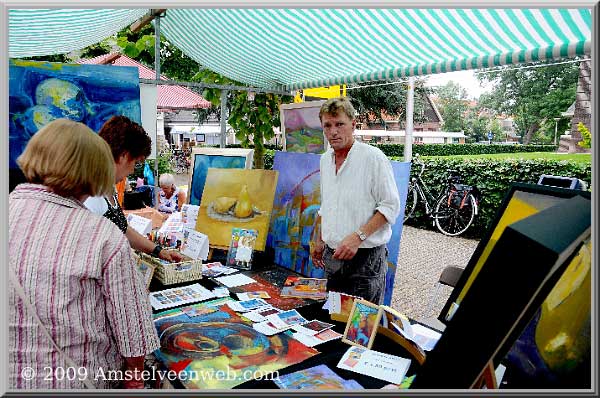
(40, 92)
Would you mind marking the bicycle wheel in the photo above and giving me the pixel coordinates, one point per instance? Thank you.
(411, 202)
(454, 221)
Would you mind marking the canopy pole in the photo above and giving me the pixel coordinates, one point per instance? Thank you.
(223, 117)
(157, 69)
(408, 130)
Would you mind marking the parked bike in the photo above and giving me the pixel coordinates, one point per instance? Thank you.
(180, 161)
(453, 210)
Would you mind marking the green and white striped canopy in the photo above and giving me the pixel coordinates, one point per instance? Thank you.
(301, 48)
(33, 32)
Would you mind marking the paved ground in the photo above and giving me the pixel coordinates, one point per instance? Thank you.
(423, 256)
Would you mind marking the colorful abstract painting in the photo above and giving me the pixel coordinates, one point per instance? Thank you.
(275, 299)
(362, 324)
(236, 198)
(297, 201)
(220, 158)
(241, 248)
(40, 92)
(317, 378)
(220, 350)
(401, 176)
(554, 351)
(301, 127)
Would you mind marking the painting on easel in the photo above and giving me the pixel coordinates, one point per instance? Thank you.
(236, 198)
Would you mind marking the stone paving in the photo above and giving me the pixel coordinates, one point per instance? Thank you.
(423, 256)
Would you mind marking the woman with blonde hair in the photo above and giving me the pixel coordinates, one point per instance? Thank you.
(169, 198)
(76, 299)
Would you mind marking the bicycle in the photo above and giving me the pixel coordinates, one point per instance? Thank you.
(180, 161)
(453, 210)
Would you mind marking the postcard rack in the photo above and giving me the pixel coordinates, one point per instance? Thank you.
(171, 273)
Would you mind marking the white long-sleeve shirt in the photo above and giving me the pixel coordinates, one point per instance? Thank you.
(363, 185)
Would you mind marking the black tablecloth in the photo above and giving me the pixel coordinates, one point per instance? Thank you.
(330, 352)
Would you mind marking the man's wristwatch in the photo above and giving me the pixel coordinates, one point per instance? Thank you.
(156, 251)
(361, 234)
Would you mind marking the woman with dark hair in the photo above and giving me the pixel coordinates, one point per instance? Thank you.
(76, 298)
(130, 145)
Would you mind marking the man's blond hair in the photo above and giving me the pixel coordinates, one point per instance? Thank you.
(70, 159)
(336, 105)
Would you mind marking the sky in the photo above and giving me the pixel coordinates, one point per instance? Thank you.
(465, 78)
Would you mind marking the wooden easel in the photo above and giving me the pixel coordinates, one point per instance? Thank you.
(487, 378)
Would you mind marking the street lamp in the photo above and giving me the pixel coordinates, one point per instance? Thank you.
(556, 119)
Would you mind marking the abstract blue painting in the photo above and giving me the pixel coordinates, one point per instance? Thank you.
(218, 158)
(297, 201)
(401, 176)
(40, 92)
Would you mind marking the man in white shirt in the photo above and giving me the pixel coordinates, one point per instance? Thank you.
(359, 203)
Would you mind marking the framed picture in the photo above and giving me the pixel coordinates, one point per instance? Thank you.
(362, 324)
(221, 158)
(521, 201)
(146, 270)
(301, 127)
(241, 248)
(520, 274)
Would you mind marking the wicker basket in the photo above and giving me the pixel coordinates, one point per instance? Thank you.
(171, 273)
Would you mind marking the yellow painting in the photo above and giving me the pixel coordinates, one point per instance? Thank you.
(521, 205)
(236, 198)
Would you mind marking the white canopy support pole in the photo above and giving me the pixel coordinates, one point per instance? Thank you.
(410, 108)
(223, 118)
(157, 69)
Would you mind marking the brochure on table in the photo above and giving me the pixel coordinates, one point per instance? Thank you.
(195, 244)
(178, 296)
(140, 224)
(376, 364)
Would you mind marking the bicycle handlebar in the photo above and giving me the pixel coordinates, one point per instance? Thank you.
(417, 160)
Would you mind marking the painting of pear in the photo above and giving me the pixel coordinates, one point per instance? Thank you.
(236, 198)
(243, 207)
(223, 204)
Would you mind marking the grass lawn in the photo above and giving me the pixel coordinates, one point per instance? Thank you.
(576, 157)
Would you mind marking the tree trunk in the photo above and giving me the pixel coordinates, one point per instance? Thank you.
(259, 158)
(530, 132)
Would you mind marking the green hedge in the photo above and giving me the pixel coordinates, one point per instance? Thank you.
(462, 149)
(493, 178)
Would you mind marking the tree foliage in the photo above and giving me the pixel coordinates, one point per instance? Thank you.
(452, 105)
(586, 135)
(534, 96)
(252, 121)
(372, 101)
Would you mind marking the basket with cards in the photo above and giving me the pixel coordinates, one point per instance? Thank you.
(169, 273)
